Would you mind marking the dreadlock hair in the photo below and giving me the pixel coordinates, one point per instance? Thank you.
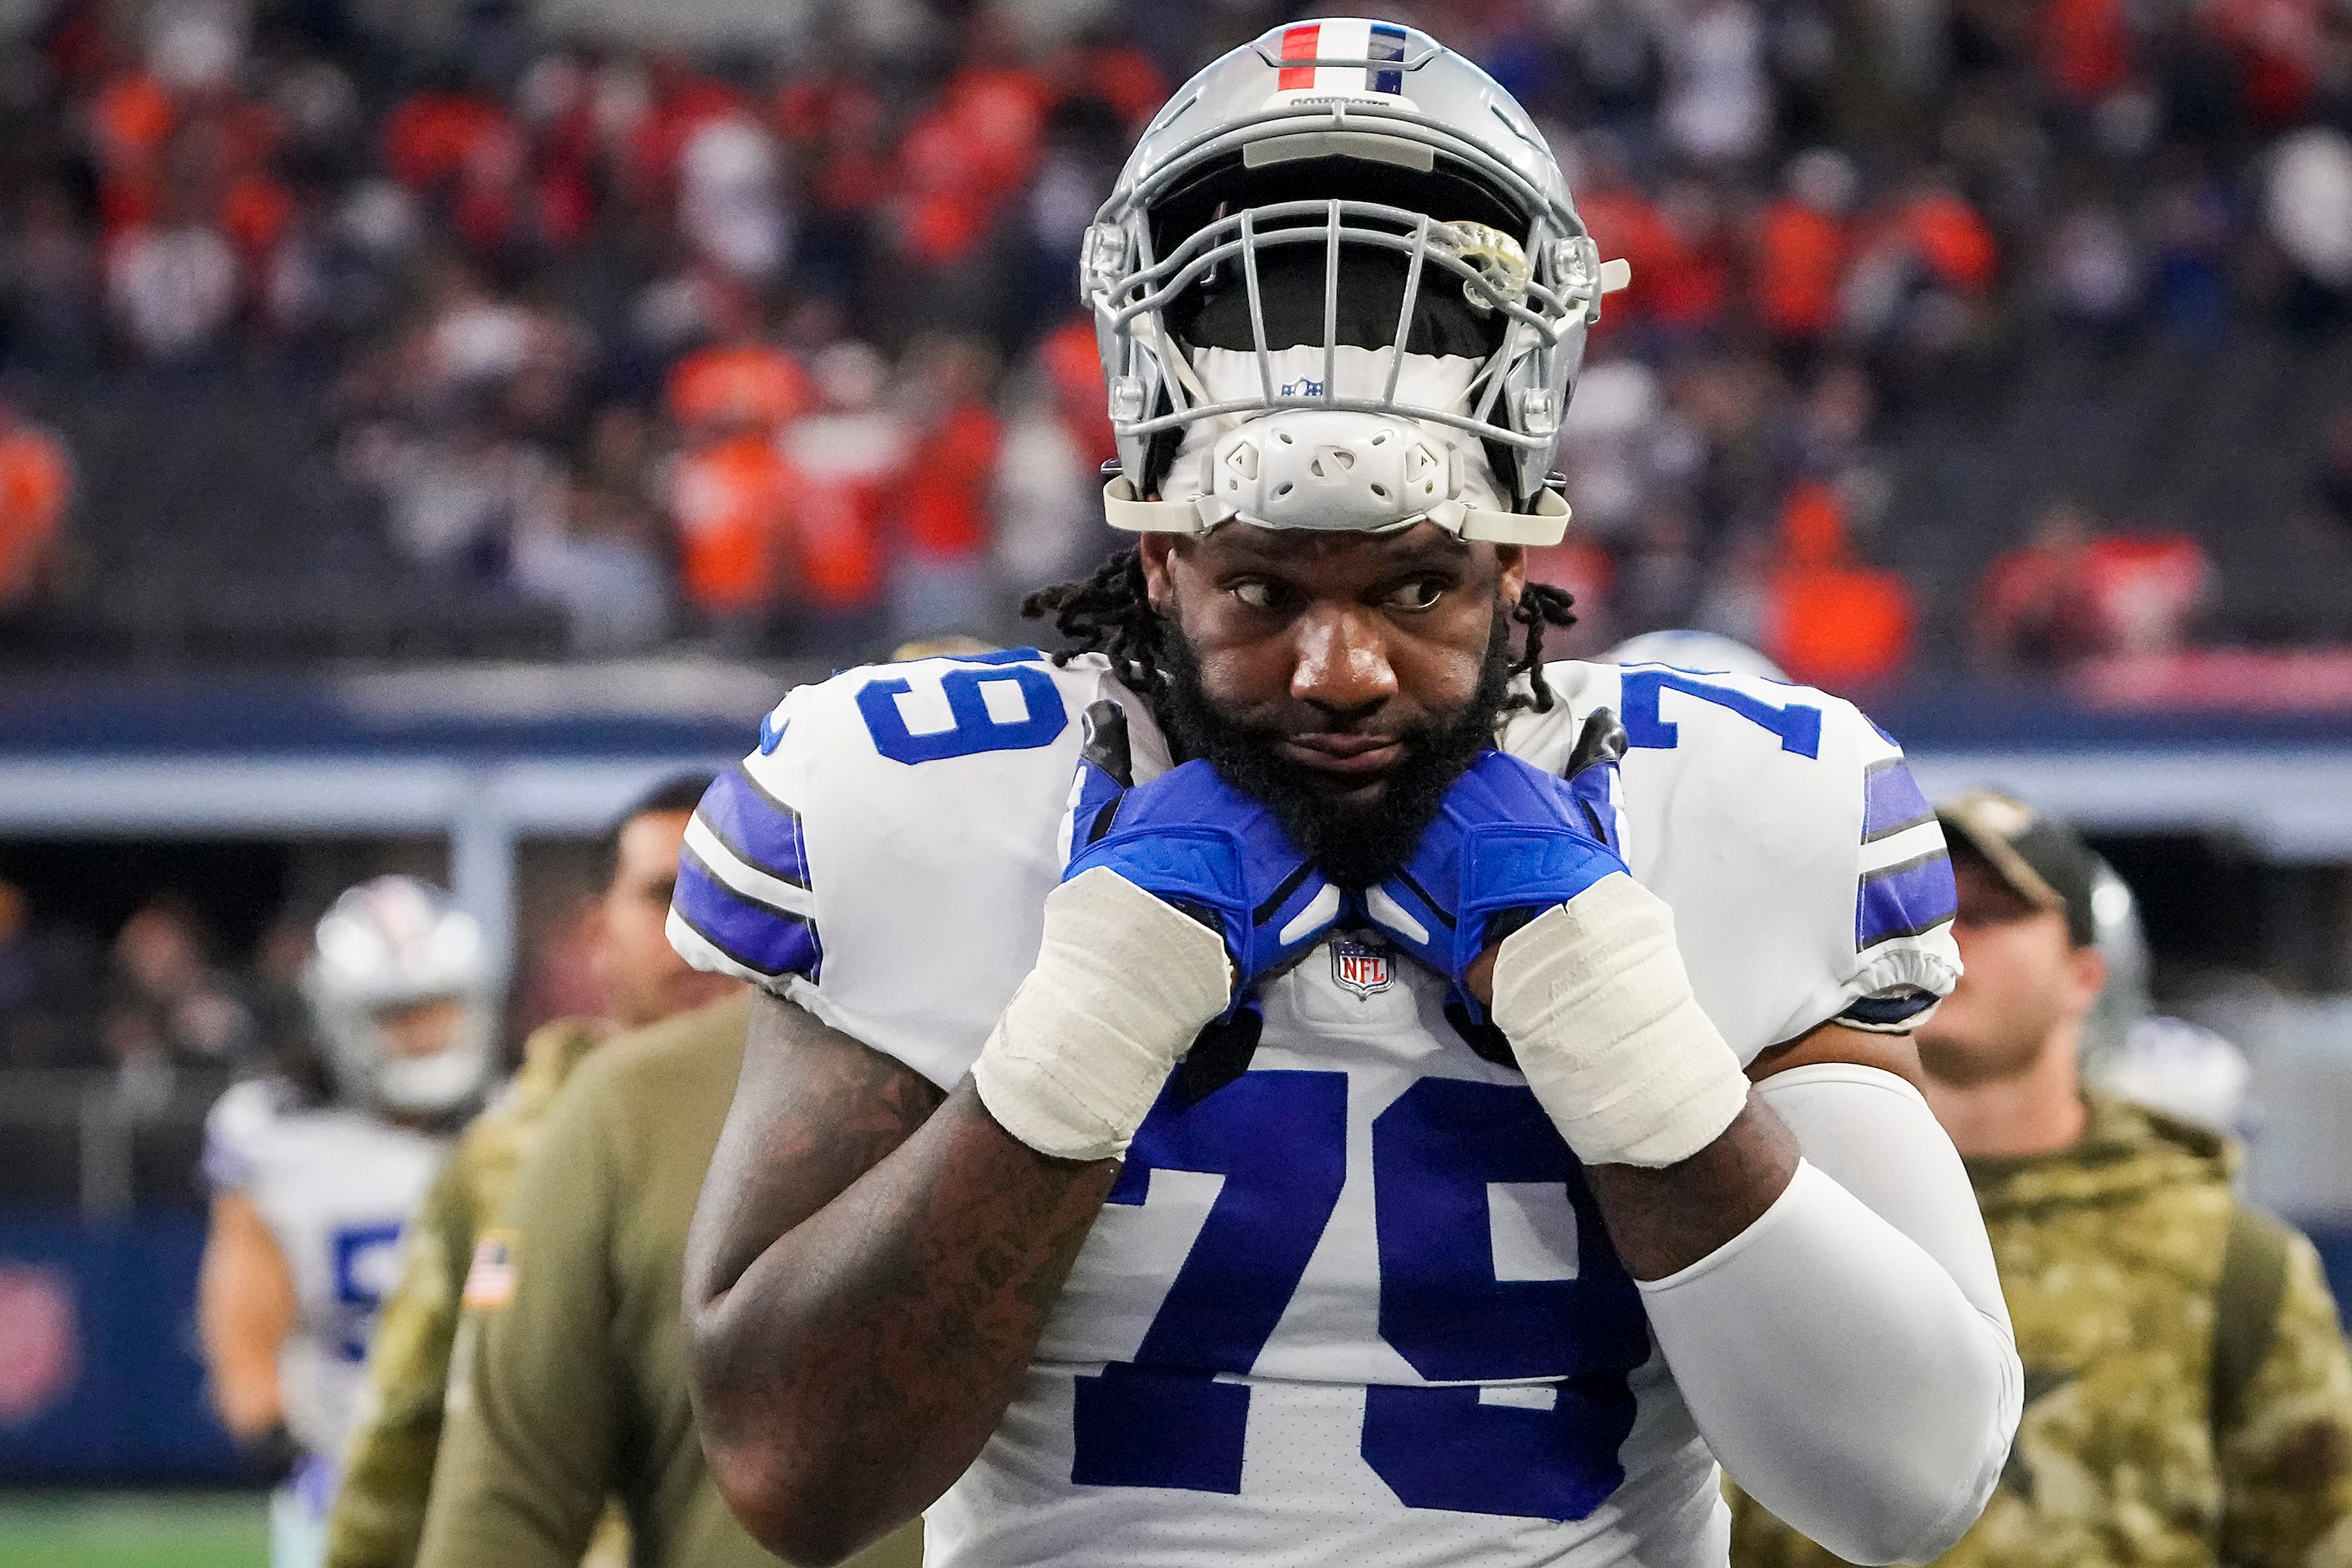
(1110, 613)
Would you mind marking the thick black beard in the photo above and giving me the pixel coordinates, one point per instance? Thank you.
(1355, 843)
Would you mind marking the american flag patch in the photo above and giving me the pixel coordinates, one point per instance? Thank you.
(1360, 967)
(490, 1279)
(1369, 58)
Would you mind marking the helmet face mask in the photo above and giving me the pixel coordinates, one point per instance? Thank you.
(386, 946)
(1342, 225)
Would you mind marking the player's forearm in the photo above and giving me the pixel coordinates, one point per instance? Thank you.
(1667, 1220)
(859, 1363)
(1877, 1422)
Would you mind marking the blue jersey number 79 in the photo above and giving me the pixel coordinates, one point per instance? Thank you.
(1279, 1139)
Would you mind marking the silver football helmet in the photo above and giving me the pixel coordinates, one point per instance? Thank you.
(2122, 941)
(1340, 285)
(387, 944)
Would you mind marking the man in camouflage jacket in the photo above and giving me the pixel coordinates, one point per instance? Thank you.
(379, 1513)
(2189, 1400)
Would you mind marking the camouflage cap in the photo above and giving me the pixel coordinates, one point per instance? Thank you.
(2040, 857)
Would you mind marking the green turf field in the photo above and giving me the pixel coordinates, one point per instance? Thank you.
(120, 1530)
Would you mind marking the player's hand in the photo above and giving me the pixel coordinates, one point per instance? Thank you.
(1195, 841)
(1520, 885)
(1509, 842)
(1180, 895)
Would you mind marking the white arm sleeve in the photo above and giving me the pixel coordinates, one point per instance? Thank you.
(1848, 1356)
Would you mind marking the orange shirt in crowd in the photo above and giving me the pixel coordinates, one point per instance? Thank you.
(2279, 45)
(2086, 47)
(1074, 366)
(35, 480)
(946, 496)
(732, 504)
(1830, 621)
(1953, 242)
(430, 138)
(1576, 564)
(130, 119)
(847, 467)
(1799, 255)
(2147, 589)
(1626, 226)
(732, 387)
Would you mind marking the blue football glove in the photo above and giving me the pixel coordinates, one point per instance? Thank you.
(1191, 838)
(1509, 842)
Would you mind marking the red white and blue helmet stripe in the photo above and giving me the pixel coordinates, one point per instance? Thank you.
(1346, 56)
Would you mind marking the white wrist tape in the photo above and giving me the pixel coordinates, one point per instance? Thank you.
(1122, 985)
(1594, 997)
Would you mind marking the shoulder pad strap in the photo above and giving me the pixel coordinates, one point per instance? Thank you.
(2245, 1311)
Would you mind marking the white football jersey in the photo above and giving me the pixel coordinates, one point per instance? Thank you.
(1356, 1306)
(335, 1186)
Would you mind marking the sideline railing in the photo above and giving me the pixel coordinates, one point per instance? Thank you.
(103, 1142)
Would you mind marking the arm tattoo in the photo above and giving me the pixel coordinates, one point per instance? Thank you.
(871, 1267)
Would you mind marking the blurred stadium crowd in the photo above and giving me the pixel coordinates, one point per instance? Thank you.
(317, 345)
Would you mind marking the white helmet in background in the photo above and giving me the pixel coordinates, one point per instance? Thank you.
(1701, 653)
(2117, 932)
(1340, 284)
(2181, 1069)
(388, 944)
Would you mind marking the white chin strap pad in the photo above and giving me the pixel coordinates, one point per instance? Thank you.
(1545, 525)
(1313, 467)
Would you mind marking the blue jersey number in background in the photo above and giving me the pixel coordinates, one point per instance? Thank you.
(1547, 1451)
(1798, 724)
(367, 1262)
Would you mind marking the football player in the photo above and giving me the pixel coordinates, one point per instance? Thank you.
(315, 1170)
(1269, 1083)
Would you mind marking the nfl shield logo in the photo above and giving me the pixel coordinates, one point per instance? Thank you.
(1360, 967)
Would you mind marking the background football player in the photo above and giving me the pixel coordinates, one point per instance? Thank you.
(1483, 1253)
(397, 1428)
(315, 1170)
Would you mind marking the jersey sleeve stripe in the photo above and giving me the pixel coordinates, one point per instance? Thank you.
(759, 831)
(1904, 900)
(1891, 801)
(747, 879)
(761, 937)
(1902, 1011)
(705, 955)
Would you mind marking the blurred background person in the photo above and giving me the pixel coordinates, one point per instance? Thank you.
(2187, 1395)
(942, 568)
(379, 1512)
(569, 1382)
(37, 482)
(314, 1171)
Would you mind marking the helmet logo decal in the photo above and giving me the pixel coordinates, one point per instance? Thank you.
(1373, 43)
